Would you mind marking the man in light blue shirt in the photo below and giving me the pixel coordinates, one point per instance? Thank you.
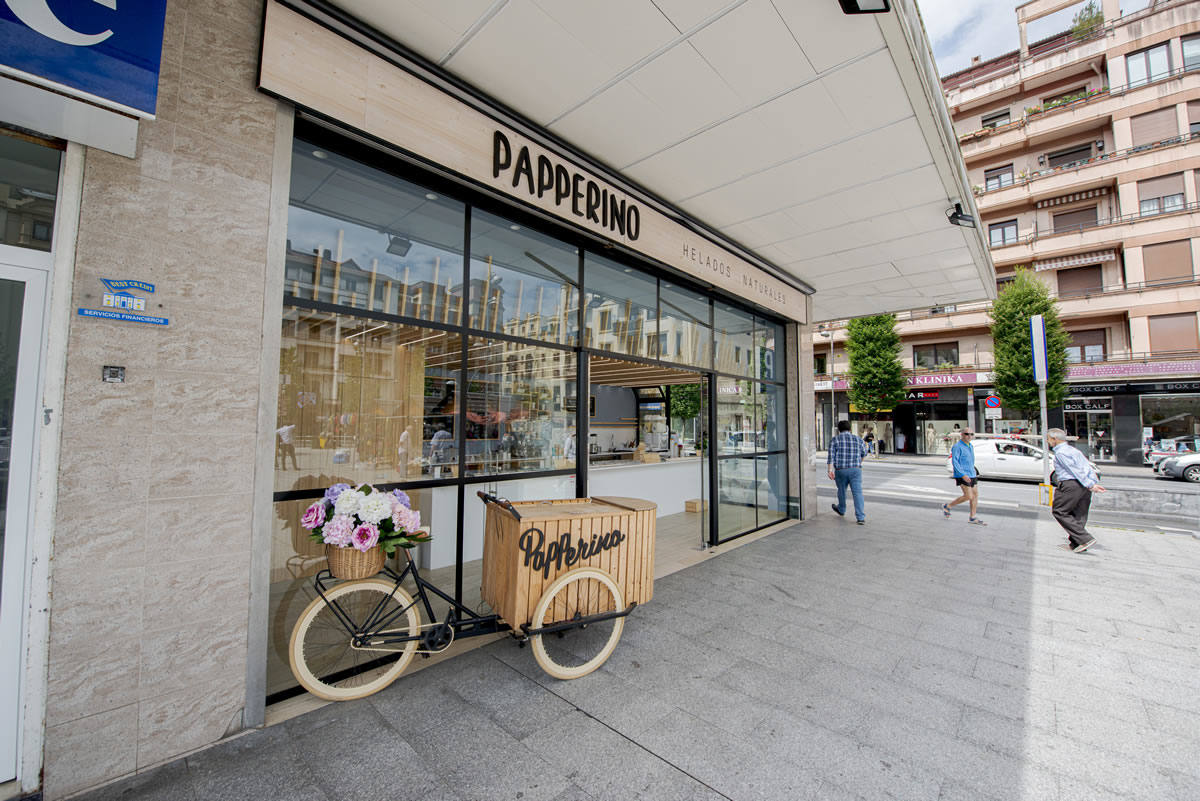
(962, 458)
(1075, 482)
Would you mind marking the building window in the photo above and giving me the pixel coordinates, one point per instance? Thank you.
(1161, 205)
(819, 363)
(1070, 156)
(1191, 53)
(1087, 346)
(1075, 220)
(1004, 280)
(1147, 65)
(1002, 233)
(930, 357)
(1161, 194)
(1174, 333)
(1080, 281)
(995, 119)
(1167, 262)
(998, 178)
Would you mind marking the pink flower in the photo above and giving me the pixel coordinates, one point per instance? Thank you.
(314, 516)
(338, 531)
(365, 537)
(405, 519)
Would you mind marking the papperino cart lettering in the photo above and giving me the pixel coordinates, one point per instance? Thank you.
(561, 576)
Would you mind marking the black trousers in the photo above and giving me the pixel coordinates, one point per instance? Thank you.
(1071, 503)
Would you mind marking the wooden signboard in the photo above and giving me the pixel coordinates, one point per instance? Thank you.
(522, 557)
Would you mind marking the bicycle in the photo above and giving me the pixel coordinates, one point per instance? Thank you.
(357, 637)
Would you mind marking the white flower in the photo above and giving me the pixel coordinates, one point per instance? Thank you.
(374, 507)
(348, 502)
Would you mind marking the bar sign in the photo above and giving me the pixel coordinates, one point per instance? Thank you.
(1037, 341)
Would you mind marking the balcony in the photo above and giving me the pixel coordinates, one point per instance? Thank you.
(1050, 123)
(1037, 244)
(1011, 73)
(1077, 303)
(1028, 188)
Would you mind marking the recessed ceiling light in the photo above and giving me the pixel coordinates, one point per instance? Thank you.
(668, 286)
(514, 227)
(430, 196)
(628, 269)
(320, 154)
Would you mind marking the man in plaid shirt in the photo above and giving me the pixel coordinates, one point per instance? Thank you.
(846, 453)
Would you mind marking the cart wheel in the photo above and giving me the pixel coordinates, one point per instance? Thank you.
(323, 657)
(581, 592)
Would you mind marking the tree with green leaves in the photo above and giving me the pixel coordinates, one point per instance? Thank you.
(1087, 19)
(1020, 300)
(685, 401)
(878, 378)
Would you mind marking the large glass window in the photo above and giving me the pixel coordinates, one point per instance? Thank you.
(1173, 422)
(998, 178)
(734, 340)
(517, 415)
(686, 332)
(28, 189)
(362, 238)
(372, 400)
(1191, 52)
(621, 314)
(523, 283)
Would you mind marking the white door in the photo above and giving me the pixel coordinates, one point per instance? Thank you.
(22, 303)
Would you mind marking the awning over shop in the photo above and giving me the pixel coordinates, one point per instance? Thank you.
(817, 142)
(1075, 260)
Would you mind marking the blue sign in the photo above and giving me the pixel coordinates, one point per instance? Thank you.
(105, 50)
(992, 402)
(121, 304)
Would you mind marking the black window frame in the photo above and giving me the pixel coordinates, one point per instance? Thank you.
(998, 173)
(1003, 227)
(937, 349)
(1144, 54)
(992, 119)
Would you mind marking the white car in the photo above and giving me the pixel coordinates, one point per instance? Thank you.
(1005, 458)
(1183, 465)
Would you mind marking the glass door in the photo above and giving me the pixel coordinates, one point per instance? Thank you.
(22, 297)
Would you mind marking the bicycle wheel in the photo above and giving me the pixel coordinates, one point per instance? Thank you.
(578, 651)
(323, 656)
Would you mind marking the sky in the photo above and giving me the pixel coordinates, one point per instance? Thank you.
(960, 29)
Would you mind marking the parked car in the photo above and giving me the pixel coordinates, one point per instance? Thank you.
(1005, 458)
(1186, 467)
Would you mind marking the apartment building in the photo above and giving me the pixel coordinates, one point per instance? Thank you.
(1084, 155)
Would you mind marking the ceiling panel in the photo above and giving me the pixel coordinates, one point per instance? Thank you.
(687, 14)
(826, 35)
(778, 63)
(431, 27)
(509, 60)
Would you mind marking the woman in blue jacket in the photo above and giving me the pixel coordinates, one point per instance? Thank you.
(962, 456)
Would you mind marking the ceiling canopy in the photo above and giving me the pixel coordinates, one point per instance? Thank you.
(817, 141)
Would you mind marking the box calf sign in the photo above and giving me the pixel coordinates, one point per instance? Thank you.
(104, 51)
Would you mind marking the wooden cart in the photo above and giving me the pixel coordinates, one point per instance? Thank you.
(553, 566)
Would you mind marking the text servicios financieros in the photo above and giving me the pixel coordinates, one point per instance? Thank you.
(586, 198)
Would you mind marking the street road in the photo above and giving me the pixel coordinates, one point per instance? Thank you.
(931, 484)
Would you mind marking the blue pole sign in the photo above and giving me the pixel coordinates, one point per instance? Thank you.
(1037, 341)
(105, 51)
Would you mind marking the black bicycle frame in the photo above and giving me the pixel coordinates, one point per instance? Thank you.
(463, 619)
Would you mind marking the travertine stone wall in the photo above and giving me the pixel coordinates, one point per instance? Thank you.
(808, 446)
(150, 575)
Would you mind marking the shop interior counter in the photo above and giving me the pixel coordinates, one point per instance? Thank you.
(670, 482)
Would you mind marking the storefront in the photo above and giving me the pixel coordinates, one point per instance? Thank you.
(437, 338)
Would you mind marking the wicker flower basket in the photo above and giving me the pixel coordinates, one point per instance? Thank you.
(351, 563)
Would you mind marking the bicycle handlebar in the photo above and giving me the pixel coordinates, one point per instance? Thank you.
(503, 503)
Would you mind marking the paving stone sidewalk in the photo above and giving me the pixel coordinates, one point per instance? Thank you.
(912, 658)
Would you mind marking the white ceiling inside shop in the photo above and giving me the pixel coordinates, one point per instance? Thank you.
(810, 137)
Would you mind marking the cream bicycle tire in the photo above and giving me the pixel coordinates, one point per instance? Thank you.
(559, 586)
(350, 688)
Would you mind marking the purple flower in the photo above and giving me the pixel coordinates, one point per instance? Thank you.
(338, 531)
(402, 497)
(334, 491)
(365, 537)
(314, 516)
